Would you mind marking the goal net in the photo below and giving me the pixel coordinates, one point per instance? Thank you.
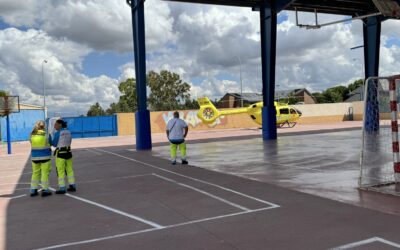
(379, 161)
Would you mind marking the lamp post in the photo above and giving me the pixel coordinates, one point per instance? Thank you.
(354, 59)
(241, 83)
(44, 91)
(278, 95)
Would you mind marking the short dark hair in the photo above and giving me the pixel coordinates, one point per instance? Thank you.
(62, 123)
(176, 114)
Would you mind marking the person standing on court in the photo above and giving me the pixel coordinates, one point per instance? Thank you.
(41, 160)
(62, 142)
(177, 130)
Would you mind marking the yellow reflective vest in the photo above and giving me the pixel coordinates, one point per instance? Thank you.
(40, 147)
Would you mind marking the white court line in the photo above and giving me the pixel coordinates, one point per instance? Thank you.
(204, 192)
(13, 190)
(191, 178)
(279, 164)
(150, 223)
(152, 229)
(133, 176)
(366, 242)
(14, 197)
(93, 151)
(86, 182)
(120, 177)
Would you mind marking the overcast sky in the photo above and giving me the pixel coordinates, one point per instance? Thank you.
(88, 48)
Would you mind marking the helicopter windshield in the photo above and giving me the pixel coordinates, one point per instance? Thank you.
(294, 111)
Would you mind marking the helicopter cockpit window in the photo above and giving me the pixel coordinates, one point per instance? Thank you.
(293, 112)
(284, 111)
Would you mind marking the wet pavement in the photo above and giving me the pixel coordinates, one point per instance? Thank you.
(324, 164)
(133, 200)
(237, 193)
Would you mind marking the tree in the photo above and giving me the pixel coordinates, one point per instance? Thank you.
(168, 91)
(96, 110)
(357, 83)
(191, 104)
(127, 101)
(3, 93)
(319, 97)
(336, 94)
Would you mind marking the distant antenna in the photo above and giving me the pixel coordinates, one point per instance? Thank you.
(388, 8)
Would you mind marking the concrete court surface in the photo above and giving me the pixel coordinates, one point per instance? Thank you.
(131, 200)
(22, 148)
(322, 164)
(136, 200)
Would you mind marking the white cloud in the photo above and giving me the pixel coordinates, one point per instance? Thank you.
(19, 13)
(102, 25)
(22, 54)
(200, 42)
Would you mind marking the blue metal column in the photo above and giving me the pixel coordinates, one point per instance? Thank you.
(142, 116)
(372, 35)
(8, 135)
(268, 23)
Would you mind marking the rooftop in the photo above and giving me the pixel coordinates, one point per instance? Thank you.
(338, 7)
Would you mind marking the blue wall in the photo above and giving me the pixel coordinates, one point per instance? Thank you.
(92, 126)
(21, 124)
(80, 127)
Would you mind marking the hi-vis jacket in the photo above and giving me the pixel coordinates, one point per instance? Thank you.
(40, 147)
(62, 139)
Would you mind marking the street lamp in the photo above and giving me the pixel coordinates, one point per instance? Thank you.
(44, 91)
(278, 95)
(241, 83)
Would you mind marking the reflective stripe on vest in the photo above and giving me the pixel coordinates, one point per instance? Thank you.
(40, 147)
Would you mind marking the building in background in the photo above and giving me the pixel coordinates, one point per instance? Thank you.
(233, 100)
(295, 96)
(356, 95)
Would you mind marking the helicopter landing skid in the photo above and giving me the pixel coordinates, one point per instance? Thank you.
(288, 124)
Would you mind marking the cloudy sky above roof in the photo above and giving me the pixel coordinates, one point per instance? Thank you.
(88, 48)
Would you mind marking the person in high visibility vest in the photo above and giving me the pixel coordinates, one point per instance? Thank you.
(62, 142)
(177, 130)
(41, 160)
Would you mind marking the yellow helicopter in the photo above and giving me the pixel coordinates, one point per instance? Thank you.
(285, 114)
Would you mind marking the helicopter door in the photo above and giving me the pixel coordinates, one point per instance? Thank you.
(283, 114)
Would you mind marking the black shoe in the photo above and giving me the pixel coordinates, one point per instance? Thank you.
(71, 188)
(46, 193)
(34, 193)
(185, 162)
(61, 191)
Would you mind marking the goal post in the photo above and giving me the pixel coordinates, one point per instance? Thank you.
(380, 160)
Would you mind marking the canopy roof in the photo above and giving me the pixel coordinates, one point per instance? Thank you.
(338, 7)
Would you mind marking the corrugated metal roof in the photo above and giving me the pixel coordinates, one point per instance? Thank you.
(338, 7)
